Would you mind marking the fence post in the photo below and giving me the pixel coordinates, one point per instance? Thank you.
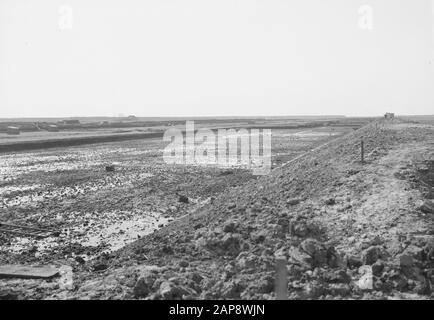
(281, 281)
(362, 151)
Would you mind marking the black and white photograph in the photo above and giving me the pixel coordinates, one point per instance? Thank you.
(235, 151)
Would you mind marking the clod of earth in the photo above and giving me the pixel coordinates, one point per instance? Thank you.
(183, 199)
(427, 207)
(293, 201)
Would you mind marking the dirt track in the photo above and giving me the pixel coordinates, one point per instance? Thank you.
(346, 230)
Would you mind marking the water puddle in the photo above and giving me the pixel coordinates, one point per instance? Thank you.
(119, 234)
(105, 231)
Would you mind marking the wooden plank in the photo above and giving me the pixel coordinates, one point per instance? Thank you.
(26, 234)
(24, 227)
(25, 230)
(28, 272)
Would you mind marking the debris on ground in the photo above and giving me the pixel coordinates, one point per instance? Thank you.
(28, 272)
(110, 168)
(427, 207)
(183, 199)
(23, 230)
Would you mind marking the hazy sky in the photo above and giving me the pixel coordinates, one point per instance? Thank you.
(215, 57)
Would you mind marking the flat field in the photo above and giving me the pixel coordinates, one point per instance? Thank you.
(93, 211)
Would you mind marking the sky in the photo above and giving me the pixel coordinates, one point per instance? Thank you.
(216, 57)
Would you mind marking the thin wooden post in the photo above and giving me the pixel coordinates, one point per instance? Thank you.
(362, 150)
(281, 284)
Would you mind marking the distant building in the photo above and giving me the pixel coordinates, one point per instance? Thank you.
(13, 130)
(389, 116)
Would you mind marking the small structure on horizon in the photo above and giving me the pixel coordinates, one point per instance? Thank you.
(130, 118)
(389, 116)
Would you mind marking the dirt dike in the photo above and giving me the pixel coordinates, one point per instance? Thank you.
(318, 214)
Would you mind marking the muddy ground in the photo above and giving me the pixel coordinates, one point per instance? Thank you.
(345, 229)
(94, 212)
